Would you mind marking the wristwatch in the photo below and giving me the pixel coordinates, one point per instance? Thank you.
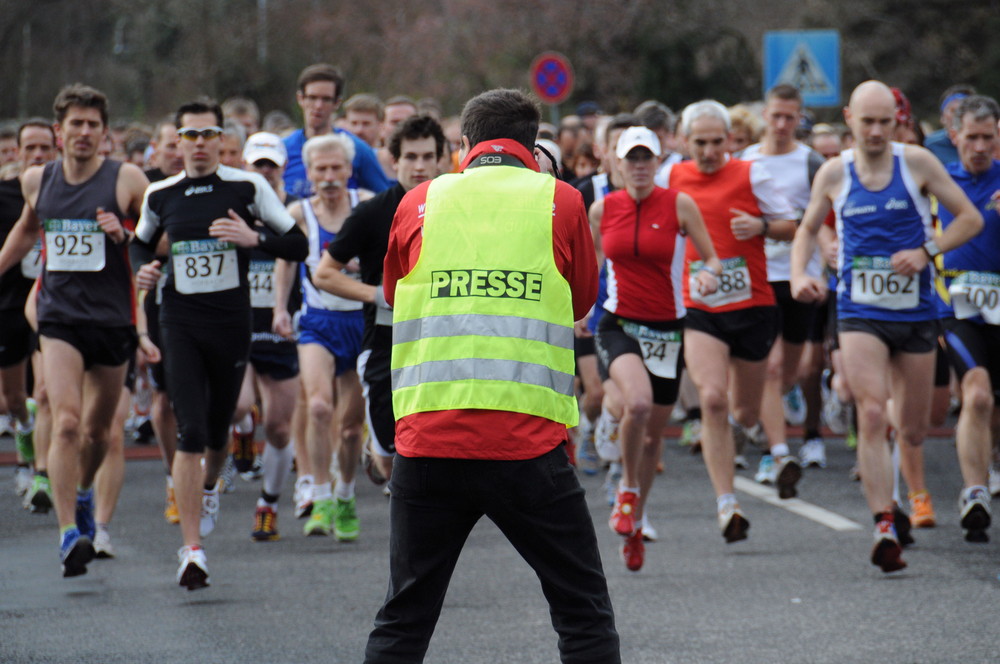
(932, 249)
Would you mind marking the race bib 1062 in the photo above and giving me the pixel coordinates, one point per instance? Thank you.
(874, 283)
(74, 245)
(204, 266)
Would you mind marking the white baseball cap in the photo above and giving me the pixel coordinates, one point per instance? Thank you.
(265, 145)
(634, 137)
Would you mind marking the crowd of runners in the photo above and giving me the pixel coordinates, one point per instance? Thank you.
(759, 272)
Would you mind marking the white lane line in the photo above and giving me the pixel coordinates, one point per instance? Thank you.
(802, 508)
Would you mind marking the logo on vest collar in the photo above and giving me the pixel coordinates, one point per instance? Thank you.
(486, 283)
(497, 148)
(194, 191)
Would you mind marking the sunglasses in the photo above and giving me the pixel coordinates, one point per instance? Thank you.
(208, 133)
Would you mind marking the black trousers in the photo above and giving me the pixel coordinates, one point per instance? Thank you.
(539, 506)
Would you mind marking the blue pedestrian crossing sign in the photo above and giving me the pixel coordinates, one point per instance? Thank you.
(807, 59)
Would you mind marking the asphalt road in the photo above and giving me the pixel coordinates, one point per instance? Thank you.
(798, 590)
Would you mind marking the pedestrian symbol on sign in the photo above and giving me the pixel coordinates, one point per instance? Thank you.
(802, 71)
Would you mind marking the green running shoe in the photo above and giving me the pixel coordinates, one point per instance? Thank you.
(346, 525)
(24, 438)
(321, 520)
(39, 496)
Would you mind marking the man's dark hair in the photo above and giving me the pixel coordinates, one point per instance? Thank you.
(36, 122)
(785, 92)
(322, 72)
(81, 96)
(655, 116)
(200, 105)
(414, 128)
(980, 106)
(501, 113)
(620, 121)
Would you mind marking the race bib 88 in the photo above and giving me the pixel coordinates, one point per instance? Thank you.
(734, 283)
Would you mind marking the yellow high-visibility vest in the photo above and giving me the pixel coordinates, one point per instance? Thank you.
(485, 319)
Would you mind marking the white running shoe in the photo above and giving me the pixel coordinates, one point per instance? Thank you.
(6, 425)
(994, 481)
(767, 472)
(648, 531)
(22, 480)
(303, 496)
(102, 543)
(974, 505)
(606, 438)
(794, 405)
(733, 523)
(193, 570)
(740, 462)
(587, 460)
(813, 453)
(209, 511)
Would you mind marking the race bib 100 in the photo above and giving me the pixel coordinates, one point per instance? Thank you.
(74, 245)
(734, 283)
(874, 283)
(204, 266)
(976, 294)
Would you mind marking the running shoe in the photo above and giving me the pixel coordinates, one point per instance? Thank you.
(303, 496)
(256, 471)
(170, 512)
(85, 513)
(921, 510)
(975, 509)
(887, 553)
(634, 552)
(788, 472)
(22, 480)
(649, 533)
(209, 511)
(740, 462)
(836, 413)
(766, 470)
(903, 526)
(227, 475)
(851, 439)
(243, 451)
(6, 425)
(994, 480)
(75, 551)
(606, 438)
(747, 435)
(733, 523)
(587, 459)
(24, 437)
(346, 524)
(622, 519)
(691, 435)
(611, 482)
(321, 520)
(265, 524)
(813, 453)
(102, 543)
(39, 496)
(193, 571)
(794, 405)
(371, 468)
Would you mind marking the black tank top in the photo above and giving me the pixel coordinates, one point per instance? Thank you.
(82, 284)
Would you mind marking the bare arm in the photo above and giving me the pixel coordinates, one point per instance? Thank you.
(20, 240)
(693, 225)
(967, 222)
(594, 215)
(284, 278)
(329, 277)
(804, 287)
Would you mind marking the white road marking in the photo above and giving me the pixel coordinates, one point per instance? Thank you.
(795, 505)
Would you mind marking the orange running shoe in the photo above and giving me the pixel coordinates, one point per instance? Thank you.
(921, 510)
(170, 512)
